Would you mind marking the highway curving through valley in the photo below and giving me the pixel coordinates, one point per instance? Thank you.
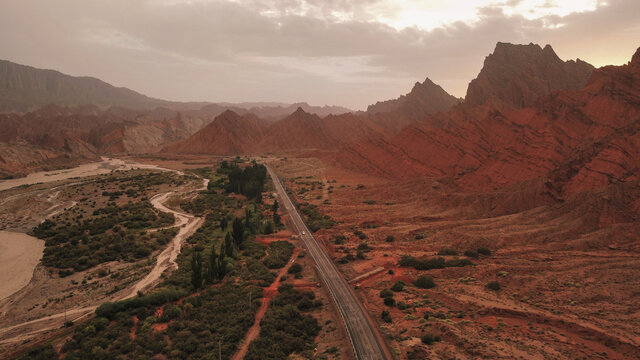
(366, 342)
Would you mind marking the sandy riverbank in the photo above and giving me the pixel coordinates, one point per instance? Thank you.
(96, 168)
(19, 255)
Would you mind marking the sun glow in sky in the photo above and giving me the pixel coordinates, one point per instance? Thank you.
(424, 15)
(343, 52)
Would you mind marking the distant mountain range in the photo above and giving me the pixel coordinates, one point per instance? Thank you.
(25, 88)
(50, 120)
(528, 115)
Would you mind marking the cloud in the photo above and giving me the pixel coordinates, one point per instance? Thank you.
(334, 51)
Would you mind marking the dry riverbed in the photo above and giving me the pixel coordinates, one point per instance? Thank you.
(30, 305)
(19, 255)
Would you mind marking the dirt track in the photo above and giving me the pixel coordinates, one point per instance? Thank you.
(187, 224)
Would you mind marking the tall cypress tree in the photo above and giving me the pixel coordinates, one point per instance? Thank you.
(228, 245)
(212, 266)
(222, 270)
(196, 270)
(238, 232)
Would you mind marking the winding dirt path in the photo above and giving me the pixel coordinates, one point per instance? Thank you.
(268, 293)
(187, 224)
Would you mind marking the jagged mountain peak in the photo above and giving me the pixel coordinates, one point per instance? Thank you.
(515, 75)
(425, 98)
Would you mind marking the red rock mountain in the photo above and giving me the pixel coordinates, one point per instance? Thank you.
(425, 98)
(228, 133)
(514, 76)
(567, 142)
(232, 134)
(302, 130)
(56, 136)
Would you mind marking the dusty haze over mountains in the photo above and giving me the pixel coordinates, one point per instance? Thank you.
(348, 53)
(307, 179)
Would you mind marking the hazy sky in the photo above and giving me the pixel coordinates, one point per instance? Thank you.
(342, 52)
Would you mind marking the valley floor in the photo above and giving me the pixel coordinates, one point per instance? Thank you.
(567, 287)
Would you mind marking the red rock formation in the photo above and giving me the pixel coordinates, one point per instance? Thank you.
(56, 136)
(228, 134)
(579, 140)
(424, 99)
(302, 130)
(516, 75)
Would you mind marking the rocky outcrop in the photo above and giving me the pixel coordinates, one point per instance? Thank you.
(228, 134)
(572, 141)
(514, 76)
(56, 136)
(425, 98)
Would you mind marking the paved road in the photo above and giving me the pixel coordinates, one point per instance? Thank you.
(366, 343)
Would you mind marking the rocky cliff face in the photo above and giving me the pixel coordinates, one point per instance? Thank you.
(514, 76)
(573, 141)
(56, 136)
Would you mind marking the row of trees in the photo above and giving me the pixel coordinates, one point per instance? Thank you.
(248, 181)
(220, 262)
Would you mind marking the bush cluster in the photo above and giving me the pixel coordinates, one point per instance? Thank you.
(279, 254)
(285, 329)
(433, 263)
(425, 282)
(112, 233)
(315, 219)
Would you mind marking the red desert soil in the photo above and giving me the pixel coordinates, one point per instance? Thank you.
(568, 282)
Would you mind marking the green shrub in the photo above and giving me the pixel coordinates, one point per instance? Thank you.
(170, 312)
(279, 254)
(40, 352)
(494, 285)
(390, 238)
(295, 332)
(429, 339)
(457, 263)
(471, 254)
(386, 293)
(386, 317)
(315, 219)
(447, 251)
(424, 282)
(389, 301)
(483, 250)
(339, 239)
(398, 286)
(295, 268)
